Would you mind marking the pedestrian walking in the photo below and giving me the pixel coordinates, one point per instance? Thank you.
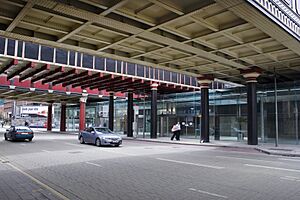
(176, 131)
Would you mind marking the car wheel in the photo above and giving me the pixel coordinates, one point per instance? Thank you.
(5, 138)
(81, 140)
(117, 145)
(30, 139)
(98, 142)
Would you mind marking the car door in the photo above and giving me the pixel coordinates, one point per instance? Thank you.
(10, 132)
(85, 135)
(90, 135)
(93, 135)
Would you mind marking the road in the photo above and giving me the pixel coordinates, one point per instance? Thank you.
(56, 166)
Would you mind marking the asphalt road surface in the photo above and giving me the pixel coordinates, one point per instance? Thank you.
(56, 166)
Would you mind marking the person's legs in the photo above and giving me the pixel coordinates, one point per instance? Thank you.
(174, 134)
(177, 135)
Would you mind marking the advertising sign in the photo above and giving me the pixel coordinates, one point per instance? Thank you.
(34, 111)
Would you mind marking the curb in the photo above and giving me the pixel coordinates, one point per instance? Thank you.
(277, 153)
(223, 146)
(193, 144)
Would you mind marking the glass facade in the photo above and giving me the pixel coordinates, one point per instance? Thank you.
(228, 114)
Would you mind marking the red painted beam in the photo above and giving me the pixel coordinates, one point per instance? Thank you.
(134, 86)
(97, 83)
(47, 74)
(34, 72)
(22, 69)
(69, 78)
(115, 83)
(90, 80)
(124, 83)
(12, 63)
(108, 82)
(83, 76)
(62, 75)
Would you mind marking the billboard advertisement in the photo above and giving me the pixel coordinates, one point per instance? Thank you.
(34, 111)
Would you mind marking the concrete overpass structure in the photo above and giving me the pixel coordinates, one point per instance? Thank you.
(150, 44)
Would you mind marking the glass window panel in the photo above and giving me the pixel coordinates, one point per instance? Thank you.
(61, 56)
(156, 73)
(187, 80)
(194, 82)
(79, 59)
(20, 48)
(47, 53)
(167, 75)
(11, 47)
(181, 78)
(119, 66)
(146, 72)
(31, 50)
(87, 61)
(99, 63)
(174, 77)
(130, 68)
(110, 65)
(140, 70)
(2, 45)
(161, 74)
(72, 58)
(151, 72)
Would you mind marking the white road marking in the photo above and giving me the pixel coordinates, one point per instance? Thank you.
(249, 159)
(23, 144)
(58, 194)
(90, 163)
(288, 178)
(275, 168)
(46, 151)
(208, 193)
(122, 153)
(289, 159)
(189, 163)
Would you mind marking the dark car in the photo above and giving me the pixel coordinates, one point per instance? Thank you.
(99, 136)
(18, 133)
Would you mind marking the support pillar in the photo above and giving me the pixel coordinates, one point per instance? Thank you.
(111, 111)
(204, 82)
(49, 118)
(63, 110)
(130, 113)
(251, 78)
(82, 113)
(153, 125)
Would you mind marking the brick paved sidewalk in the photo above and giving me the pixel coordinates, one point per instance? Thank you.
(15, 185)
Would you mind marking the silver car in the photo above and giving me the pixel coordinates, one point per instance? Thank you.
(99, 136)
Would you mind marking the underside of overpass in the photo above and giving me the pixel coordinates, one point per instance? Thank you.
(89, 47)
(194, 37)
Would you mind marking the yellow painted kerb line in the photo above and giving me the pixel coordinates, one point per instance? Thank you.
(58, 194)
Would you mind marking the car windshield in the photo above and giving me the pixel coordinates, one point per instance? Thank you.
(22, 128)
(103, 130)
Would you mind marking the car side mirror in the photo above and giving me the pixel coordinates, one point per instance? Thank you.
(93, 132)
(7, 129)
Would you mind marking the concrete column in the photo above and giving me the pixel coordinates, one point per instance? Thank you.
(153, 125)
(130, 113)
(49, 118)
(111, 111)
(204, 82)
(82, 113)
(63, 111)
(251, 78)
